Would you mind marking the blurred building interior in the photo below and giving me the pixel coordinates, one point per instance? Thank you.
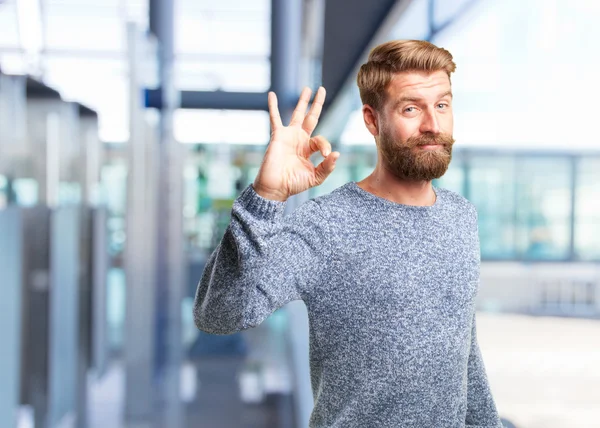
(128, 128)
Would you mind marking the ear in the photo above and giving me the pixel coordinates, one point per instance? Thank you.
(371, 119)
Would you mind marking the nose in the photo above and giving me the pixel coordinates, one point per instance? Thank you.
(429, 123)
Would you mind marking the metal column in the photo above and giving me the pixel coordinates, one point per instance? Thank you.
(139, 346)
(170, 255)
(286, 55)
(286, 51)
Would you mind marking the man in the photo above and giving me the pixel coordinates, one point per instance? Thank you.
(388, 267)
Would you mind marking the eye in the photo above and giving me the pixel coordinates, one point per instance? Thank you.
(442, 105)
(409, 109)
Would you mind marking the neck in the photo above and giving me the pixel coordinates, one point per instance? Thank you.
(384, 184)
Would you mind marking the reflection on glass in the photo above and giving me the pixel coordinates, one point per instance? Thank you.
(25, 191)
(454, 178)
(544, 208)
(492, 189)
(3, 192)
(523, 202)
(587, 209)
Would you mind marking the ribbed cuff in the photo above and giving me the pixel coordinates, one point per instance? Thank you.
(259, 206)
(500, 425)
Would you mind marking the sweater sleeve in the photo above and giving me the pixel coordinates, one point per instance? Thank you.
(481, 409)
(263, 261)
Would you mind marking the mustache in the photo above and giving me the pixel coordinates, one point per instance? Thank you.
(430, 139)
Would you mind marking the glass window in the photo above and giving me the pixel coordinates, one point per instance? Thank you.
(544, 208)
(587, 209)
(3, 192)
(25, 191)
(491, 188)
(454, 178)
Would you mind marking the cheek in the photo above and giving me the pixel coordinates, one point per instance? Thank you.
(447, 123)
(406, 128)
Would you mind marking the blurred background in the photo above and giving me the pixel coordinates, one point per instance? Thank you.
(128, 127)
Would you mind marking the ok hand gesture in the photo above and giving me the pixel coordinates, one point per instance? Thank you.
(286, 168)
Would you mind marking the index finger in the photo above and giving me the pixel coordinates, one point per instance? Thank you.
(274, 111)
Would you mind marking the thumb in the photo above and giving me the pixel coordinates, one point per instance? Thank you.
(325, 168)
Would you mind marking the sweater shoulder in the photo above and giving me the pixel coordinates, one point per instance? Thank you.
(334, 200)
(457, 199)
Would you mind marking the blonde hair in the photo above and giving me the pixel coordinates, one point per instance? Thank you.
(394, 57)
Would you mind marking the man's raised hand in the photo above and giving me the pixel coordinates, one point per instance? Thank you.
(286, 168)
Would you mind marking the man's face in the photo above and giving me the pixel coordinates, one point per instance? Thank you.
(416, 125)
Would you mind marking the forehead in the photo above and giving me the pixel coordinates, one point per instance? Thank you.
(418, 84)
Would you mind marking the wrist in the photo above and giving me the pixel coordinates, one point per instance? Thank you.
(268, 194)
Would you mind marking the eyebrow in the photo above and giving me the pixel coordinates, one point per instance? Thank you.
(416, 99)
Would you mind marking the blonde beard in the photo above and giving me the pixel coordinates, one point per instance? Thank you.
(407, 162)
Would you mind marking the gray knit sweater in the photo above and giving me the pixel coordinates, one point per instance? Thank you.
(390, 292)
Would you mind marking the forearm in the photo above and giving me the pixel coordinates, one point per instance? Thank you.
(263, 261)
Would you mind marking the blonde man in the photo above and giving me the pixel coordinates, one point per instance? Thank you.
(388, 267)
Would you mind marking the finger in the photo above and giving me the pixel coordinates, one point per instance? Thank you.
(325, 168)
(320, 144)
(274, 111)
(311, 120)
(300, 111)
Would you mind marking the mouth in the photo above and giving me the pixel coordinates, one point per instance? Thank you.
(430, 146)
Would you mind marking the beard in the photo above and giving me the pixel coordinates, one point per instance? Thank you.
(409, 162)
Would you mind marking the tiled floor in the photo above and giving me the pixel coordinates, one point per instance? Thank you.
(544, 372)
(218, 403)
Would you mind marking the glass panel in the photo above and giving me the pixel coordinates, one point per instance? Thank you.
(64, 313)
(115, 307)
(492, 191)
(587, 243)
(587, 209)
(544, 207)
(497, 236)
(588, 188)
(11, 257)
(454, 178)
(3, 192)
(26, 191)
